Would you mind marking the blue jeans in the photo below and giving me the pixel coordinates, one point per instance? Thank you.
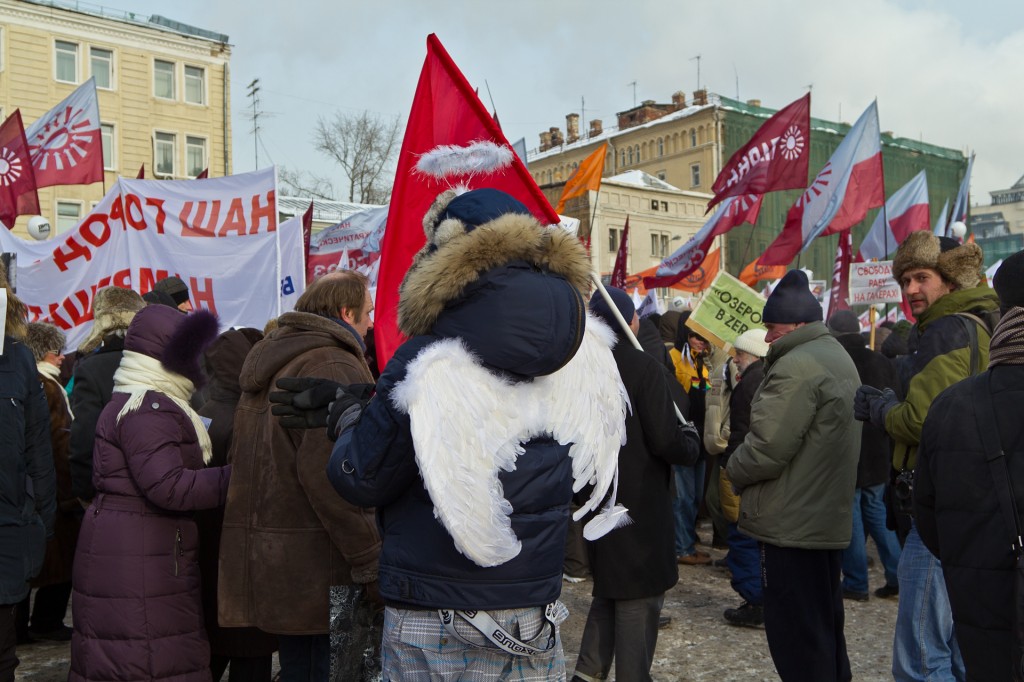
(924, 647)
(744, 560)
(869, 513)
(689, 492)
(304, 658)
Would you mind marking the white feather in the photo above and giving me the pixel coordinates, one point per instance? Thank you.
(476, 158)
(468, 424)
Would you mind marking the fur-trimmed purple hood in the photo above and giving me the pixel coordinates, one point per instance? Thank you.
(176, 340)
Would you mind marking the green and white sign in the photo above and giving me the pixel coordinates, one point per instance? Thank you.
(728, 308)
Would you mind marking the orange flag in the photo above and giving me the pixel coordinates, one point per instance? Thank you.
(698, 280)
(587, 177)
(754, 273)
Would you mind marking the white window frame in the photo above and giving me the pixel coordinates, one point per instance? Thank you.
(113, 146)
(174, 153)
(57, 216)
(174, 80)
(660, 243)
(695, 175)
(110, 66)
(56, 49)
(202, 85)
(206, 159)
(614, 237)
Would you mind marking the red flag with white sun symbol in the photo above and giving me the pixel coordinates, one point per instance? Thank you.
(65, 143)
(775, 158)
(17, 184)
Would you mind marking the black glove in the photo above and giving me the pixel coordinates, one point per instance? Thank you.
(347, 408)
(881, 405)
(304, 401)
(862, 402)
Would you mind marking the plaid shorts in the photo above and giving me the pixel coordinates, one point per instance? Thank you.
(417, 647)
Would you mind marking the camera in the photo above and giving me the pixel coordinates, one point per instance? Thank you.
(903, 492)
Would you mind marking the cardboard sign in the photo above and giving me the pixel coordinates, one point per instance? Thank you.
(728, 308)
(873, 283)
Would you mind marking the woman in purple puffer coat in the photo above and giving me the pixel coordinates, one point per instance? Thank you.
(136, 586)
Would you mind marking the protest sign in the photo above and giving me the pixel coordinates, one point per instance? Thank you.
(220, 236)
(873, 283)
(727, 309)
(352, 244)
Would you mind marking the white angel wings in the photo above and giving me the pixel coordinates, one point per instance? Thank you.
(468, 424)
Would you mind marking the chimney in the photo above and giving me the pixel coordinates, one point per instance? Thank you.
(679, 99)
(545, 141)
(648, 103)
(556, 137)
(595, 127)
(754, 102)
(700, 97)
(572, 128)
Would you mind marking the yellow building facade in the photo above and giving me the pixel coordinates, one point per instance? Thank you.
(163, 89)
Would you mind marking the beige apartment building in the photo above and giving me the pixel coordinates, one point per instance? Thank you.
(163, 88)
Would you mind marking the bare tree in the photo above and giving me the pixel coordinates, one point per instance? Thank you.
(305, 184)
(365, 146)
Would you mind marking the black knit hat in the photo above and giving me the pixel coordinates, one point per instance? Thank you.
(844, 322)
(1009, 282)
(622, 301)
(792, 301)
(173, 287)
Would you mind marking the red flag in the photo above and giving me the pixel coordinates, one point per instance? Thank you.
(65, 143)
(688, 257)
(776, 157)
(205, 174)
(142, 173)
(619, 271)
(445, 111)
(840, 298)
(17, 182)
(307, 234)
(841, 194)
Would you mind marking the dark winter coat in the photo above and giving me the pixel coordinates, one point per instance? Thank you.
(27, 479)
(224, 360)
(91, 391)
(878, 371)
(60, 549)
(650, 341)
(639, 560)
(959, 518)
(287, 536)
(521, 321)
(739, 406)
(137, 611)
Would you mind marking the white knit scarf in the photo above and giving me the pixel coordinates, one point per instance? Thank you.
(139, 373)
(51, 372)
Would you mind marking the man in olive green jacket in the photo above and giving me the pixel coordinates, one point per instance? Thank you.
(797, 471)
(940, 280)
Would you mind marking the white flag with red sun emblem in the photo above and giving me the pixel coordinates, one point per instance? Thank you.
(65, 143)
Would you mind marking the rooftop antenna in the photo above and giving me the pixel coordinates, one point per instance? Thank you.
(735, 71)
(633, 83)
(698, 69)
(253, 93)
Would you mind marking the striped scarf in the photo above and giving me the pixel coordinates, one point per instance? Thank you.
(1007, 346)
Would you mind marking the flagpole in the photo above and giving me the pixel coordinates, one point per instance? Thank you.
(629, 332)
(885, 232)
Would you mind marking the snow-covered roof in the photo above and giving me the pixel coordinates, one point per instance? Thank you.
(638, 178)
(323, 210)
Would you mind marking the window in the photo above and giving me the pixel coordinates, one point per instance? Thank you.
(195, 85)
(659, 244)
(664, 206)
(68, 215)
(613, 240)
(631, 156)
(107, 137)
(195, 156)
(101, 63)
(163, 79)
(693, 137)
(623, 157)
(163, 154)
(654, 204)
(695, 175)
(661, 147)
(66, 61)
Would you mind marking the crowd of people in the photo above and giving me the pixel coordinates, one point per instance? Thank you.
(205, 498)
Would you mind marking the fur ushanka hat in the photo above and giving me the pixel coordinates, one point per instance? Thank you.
(43, 337)
(112, 311)
(955, 262)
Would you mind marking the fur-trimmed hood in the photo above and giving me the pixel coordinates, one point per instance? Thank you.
(176, 340)
(511, 289)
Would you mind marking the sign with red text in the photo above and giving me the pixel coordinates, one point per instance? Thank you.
(352, 244)
(873, 283)
(220, 236)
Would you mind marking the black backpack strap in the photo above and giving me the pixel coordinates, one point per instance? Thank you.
(984, 411)
(970, 323)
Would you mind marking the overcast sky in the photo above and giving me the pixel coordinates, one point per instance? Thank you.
(946, 71)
